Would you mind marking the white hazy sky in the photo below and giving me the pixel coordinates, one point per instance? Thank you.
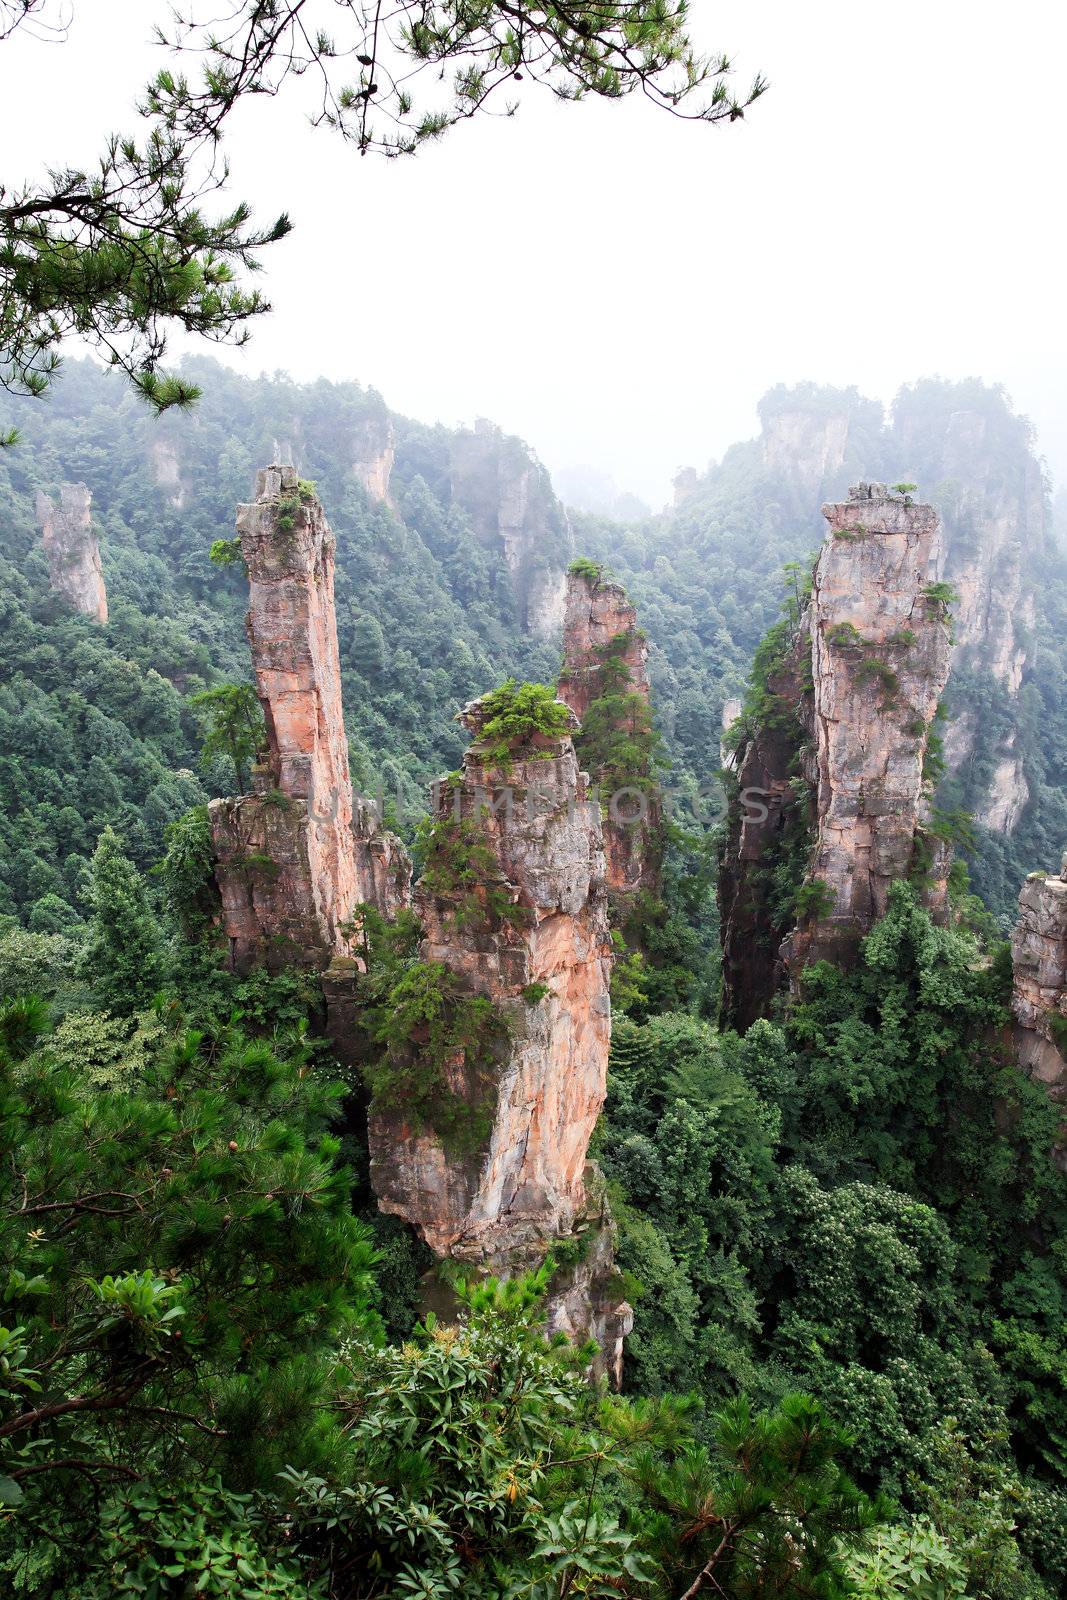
(620, 287)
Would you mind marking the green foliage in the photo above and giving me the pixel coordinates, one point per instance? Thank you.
(813, 899)
(225, 552)
(516, 716)
(907, 1561)
(584, 567)
(179, 1254)
(186, 872)
(122, 958)
(427, 1022)
(940, 594)
(234, 727)
(460, 867)
(617, 742)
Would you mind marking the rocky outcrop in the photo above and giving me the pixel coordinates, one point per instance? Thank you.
(685, 484)
(804, 444)
(526, 933)
(993, 501)
(731, 711)
(165, 466)
(769, 831)
(1039, 989)
(373, 454)
(1008, 792)
(829, 781)
(71, 548)
(296, 857)
(879, 659)
(509, 498)
(605, 682)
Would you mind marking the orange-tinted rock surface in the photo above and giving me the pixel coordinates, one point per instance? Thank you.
(72, 550)
(543, 958)
(295, 858)
(544, 836)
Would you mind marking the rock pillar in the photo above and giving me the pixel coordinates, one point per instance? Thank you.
(605, 682)
(297, 856)
(72, 550)
(1039, 986)
(514, 912)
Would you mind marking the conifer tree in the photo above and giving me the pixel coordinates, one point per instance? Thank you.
(122, 959)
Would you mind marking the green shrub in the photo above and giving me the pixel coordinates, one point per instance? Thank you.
(585, 567)
(813, 900)
(427, 1021)
(516, 715)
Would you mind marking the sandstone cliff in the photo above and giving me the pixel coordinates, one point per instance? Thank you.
(373, 454)
(1039, 990)
(829, 801)
(72, 550)
(605, 682)
(296, 857)
(515, 935)
(509, 498)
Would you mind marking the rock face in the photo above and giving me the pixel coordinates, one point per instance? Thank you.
(685, 484)
(830, 783)
(1039, 989)
(534, 941)
(72, 550)
(880, 661)
(296, 857)
(373, 453)
(508, 496)
(806, 445)
(165, 465)
(605, 655)
(992, 496)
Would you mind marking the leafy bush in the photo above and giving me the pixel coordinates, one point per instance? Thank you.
(518, 714)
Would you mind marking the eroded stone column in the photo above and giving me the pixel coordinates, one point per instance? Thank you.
(526, 929)
(605, 655)
(71, 547)
(296, 857)
(1039, 987)
(880, 651)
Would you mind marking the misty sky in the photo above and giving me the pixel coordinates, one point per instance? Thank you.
(620, 287)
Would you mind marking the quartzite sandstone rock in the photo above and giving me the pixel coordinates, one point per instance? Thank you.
(297, 856)
(1039, 989)
(501, 1206)
(509, 498)
(879, 660)
(842, 756)
(72, 550)
(599, 620)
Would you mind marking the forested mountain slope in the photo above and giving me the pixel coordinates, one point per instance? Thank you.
(451, 551)
(447, 586)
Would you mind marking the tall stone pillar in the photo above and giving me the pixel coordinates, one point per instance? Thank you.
(72, 550)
